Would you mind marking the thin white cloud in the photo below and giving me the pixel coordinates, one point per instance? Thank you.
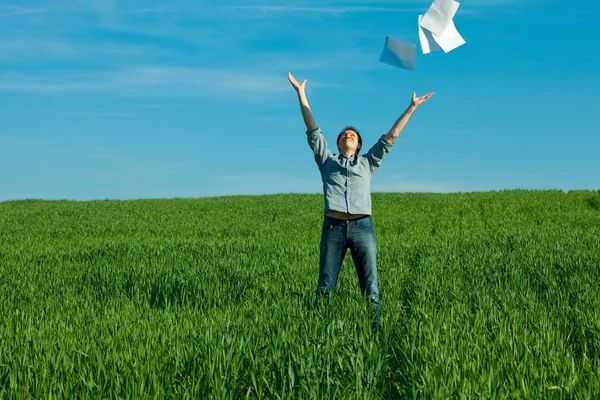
(17, 11)
(155, 81)
(153, 10)
(153, 106)
(106, 154)
(96, 114)
(43, 7)
(105, 7)
(341, 7)
(328, 10)
(19, 49)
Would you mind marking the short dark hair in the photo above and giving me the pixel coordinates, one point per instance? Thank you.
(350, 128)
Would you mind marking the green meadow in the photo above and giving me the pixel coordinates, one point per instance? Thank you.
(491, 295)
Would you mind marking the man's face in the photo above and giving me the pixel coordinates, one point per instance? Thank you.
(348, 141)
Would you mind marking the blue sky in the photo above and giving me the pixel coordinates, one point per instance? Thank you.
(108, 99)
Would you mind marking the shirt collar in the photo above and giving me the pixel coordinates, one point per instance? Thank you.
(352, 157)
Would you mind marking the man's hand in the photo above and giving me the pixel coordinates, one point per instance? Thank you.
(298, 86)
(403, 120)
(417, 101)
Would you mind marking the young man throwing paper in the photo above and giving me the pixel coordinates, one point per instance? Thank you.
(346, 187)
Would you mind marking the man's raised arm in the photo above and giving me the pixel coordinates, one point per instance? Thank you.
(307, 115)
(315, 138)
(403, 120)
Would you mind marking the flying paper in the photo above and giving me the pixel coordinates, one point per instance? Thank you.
(428, 43)
(439, 16)
(398, 53)
(450, 40)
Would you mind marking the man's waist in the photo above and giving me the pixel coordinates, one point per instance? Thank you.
(344, 215)
(355, 206)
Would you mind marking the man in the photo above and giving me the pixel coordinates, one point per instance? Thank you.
(346, 188)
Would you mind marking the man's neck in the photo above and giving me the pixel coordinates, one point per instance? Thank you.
(347, 153)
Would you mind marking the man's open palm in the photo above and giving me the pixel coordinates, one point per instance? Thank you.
(294, 82)
(417, 101)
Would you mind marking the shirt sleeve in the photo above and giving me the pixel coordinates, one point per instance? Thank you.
(377, 153)
(318, 145)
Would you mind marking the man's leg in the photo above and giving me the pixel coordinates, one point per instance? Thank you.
(363, 247)
(333, 249)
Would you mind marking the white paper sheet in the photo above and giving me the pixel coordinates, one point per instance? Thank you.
(450, 40)
(439, 15)
(399, 54)
(428, 43)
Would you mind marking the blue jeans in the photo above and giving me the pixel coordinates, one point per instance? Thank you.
(359, 236)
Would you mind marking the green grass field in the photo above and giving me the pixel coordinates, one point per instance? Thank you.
(484, 295)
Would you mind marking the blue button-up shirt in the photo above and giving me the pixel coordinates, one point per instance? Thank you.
(347, 181)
